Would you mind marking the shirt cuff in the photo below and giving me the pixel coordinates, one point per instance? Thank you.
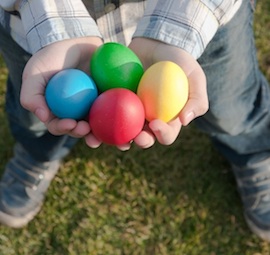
(189, 25)
(46, 22)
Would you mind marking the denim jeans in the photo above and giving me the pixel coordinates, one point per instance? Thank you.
(238, 120)
(24, 126)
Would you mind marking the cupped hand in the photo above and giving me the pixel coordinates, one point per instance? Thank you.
(150, 51)
(72, 53)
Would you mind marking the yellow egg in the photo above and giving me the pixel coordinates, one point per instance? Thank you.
(163, 90)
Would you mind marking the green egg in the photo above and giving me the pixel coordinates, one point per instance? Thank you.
(114, 65)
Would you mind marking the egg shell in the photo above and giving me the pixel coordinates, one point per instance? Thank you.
(117, 116)
(70, 94)
(163, 90)
(114, 65)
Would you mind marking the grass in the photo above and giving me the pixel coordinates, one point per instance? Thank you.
(175, 200)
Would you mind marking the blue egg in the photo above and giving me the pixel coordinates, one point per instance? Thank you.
(70, 94)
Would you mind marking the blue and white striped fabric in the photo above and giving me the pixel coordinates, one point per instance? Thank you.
(188, 24)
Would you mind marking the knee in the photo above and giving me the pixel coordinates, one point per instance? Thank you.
(233, 120)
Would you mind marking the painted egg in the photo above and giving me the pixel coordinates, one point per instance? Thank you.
(163, 90)
(114, 65)
(117, 116)
(70, 94)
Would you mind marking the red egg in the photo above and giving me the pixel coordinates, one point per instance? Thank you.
(117, 116)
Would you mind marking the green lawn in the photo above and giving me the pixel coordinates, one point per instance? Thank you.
(175, 200)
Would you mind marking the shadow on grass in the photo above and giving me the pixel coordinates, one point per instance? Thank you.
(180, 199)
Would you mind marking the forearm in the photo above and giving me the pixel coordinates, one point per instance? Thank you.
(187, 24)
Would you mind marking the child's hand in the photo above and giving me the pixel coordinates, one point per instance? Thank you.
(150, 52)
(73, 53)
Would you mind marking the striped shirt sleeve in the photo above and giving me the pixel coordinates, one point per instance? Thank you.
(8, 5)
(186, 24)
(49, 21)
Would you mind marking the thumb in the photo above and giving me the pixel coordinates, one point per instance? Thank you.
(197, 103)
(32, 93)
(166, 133)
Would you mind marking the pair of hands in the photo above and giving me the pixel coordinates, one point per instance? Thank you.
(76, 53)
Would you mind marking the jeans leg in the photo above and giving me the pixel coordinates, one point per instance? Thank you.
(25, 127)
(238, 120)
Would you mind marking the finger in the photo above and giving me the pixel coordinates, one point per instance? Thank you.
(92, 141)
(60, 126)
(197, 103)
(124, 147)
(32, 96)
(81, 129)
(166, 133)
(145, 139)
